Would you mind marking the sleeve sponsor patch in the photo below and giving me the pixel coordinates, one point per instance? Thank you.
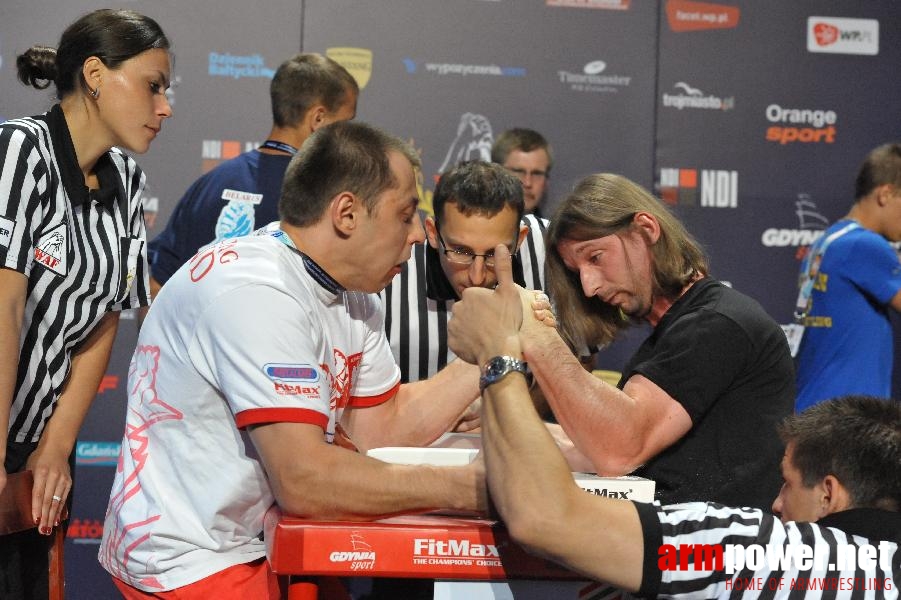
(280, 373)
(7, 226)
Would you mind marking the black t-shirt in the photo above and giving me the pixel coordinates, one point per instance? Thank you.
(718, 354)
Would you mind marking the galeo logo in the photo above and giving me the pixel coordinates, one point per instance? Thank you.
(689, 97)
(236, 67)
(718, 189)
(843, 36)
(97, 454)
(357, 61)
(593, 79)
(805, 125)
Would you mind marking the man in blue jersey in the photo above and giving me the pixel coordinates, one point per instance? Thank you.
(849, 282)
(240, 195)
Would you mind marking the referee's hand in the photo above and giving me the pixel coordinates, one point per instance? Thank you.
(485, 322)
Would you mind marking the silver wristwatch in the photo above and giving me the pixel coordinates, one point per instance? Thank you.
(496, 368)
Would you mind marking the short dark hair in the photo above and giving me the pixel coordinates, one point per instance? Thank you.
(113, 36)
(881, 166)
(855, 438)
(522, 139)
(305, 80)
(342, 156)
(478, 187)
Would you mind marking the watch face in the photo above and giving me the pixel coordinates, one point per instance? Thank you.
(495, 366)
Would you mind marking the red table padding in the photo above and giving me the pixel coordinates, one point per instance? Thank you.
(423, 546)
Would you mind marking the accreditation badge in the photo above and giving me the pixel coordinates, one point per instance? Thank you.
(793, 333)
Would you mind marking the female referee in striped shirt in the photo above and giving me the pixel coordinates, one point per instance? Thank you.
(72, 241)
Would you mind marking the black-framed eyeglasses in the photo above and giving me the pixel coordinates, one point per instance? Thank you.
(465, 257)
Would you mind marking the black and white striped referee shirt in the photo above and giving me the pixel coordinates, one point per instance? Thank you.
(686, 536)
(82, 251)
(418, 302)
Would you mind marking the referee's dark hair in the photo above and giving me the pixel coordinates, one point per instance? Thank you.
(340, 157)
(113, 36)
(855, 438)
(477, 187)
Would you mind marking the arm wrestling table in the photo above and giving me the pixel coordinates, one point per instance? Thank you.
(416, 546)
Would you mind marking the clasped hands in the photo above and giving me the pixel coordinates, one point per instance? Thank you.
(488, 323)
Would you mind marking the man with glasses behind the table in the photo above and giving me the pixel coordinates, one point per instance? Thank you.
(478, 205)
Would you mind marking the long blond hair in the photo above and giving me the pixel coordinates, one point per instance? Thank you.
(601, 205)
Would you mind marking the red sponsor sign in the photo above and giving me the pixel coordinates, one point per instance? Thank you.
(406, 546)
(109, 382)
(685, 15)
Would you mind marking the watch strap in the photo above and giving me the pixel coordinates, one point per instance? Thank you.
(498, 367)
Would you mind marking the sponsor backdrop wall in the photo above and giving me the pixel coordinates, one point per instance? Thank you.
(748, 118)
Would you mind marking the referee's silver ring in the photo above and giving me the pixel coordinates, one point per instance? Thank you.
(57, 499)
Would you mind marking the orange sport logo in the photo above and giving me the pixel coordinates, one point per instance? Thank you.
(800, 125)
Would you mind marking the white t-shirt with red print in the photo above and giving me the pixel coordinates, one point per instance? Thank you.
(248, 332)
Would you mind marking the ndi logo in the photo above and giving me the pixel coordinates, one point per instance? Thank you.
(97, 454)
(714, 188)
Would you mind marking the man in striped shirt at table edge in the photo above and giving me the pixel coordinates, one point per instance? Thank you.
(841, 485)
(477, 205)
